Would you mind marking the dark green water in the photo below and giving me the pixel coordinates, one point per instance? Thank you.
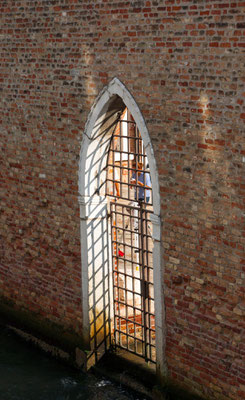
(28, 374)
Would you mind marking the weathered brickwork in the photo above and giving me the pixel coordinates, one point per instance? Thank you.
(183, 61)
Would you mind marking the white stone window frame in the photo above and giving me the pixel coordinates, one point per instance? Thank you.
(93, 210)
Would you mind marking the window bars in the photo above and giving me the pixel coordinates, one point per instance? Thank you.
(129, 189)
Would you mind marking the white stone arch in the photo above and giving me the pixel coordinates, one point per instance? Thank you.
(95, 249)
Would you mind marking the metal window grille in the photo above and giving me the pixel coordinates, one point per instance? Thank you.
(129, 188)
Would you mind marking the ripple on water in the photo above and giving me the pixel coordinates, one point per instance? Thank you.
(28, 374)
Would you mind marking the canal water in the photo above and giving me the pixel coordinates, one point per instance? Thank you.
(26, 373)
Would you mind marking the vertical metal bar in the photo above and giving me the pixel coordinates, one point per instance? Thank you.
(116, 273)
(120, 152)
(113, 273)
(148, 323)
(141, 239)
(128, 161)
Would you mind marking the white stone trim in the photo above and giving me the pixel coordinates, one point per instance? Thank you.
(156, 225)
(87, 200)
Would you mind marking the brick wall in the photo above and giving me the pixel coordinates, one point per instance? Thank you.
(183, 62)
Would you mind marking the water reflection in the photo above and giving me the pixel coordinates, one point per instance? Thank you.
(28, 374)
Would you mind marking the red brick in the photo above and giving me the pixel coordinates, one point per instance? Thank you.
(181, 61)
